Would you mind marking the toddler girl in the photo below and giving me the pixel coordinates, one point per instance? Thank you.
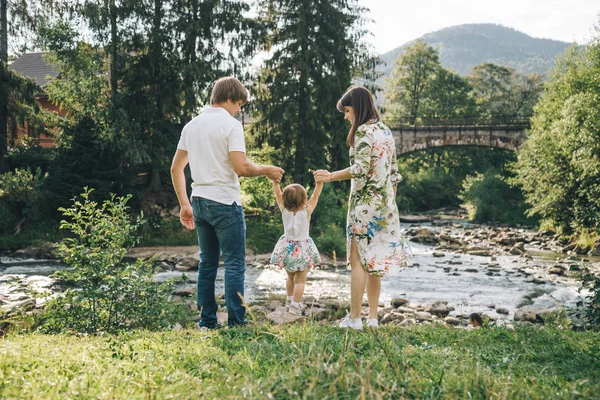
(295, 250)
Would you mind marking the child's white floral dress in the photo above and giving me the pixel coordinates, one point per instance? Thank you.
(295, 250)
(373, 217)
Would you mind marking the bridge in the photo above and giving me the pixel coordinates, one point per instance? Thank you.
(500, 132)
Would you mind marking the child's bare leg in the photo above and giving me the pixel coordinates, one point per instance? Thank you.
(289, 283)
(373, 291)
(299, 281)
(358, 281)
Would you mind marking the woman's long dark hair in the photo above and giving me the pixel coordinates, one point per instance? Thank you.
(361, 101)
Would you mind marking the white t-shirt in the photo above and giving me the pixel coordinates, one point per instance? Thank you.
(208, 139)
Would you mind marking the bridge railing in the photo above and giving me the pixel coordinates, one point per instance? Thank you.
(501, 120)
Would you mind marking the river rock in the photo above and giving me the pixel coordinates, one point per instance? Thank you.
(452, 320)
(506, 241)
(438, 254)
(502, 310)
(595, 251)
(392, 316)
(318, 314)
(557, 270)
(22, 305)
(478, 252)
(407, 322)
(185, 291)
(531, 315)
(186, 263)
(382, 311)
(414, 219)
(423, 316)
(423, 239)
(439, 308)
(515, 251)
(406, 310)
(399, 301)
(281, 317)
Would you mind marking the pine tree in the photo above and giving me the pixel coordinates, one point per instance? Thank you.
(315, 49)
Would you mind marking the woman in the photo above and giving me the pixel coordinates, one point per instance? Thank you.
(374, 245)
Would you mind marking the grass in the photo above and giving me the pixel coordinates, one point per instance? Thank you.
(308, 361)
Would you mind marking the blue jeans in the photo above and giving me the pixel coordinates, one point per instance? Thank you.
(221, 229)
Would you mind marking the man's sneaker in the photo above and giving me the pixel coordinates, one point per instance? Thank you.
(373, 322)
(295, 309)
(348, 322)
(209, 328)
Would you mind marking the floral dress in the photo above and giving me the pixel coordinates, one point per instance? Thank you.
(295, 250)
(373, 218)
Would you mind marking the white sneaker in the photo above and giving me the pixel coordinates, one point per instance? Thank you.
(351, 323)
(373, 322)
(288, 303)
(295, 309)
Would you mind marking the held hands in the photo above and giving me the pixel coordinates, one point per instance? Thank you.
(274, 173)
(186, 216)
(322, 176)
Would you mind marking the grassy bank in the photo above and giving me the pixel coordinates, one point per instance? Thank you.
(305, 361)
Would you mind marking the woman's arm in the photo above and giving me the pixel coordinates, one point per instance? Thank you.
(362, 161)
(322, 175)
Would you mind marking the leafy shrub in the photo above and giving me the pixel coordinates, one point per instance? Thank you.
(108, 293)
(490, 199)
(428, 189)
(589, 307)
(559, 164)
(19, 190)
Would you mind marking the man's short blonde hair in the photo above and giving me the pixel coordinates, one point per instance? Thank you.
(228, 88)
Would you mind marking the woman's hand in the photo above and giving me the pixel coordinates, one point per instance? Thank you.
(322, 176)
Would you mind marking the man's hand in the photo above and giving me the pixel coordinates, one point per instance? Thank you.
(274, 173)
(186, 216)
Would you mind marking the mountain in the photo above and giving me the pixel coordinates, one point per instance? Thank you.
(462, 47)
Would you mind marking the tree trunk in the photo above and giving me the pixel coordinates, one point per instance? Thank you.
(156, 59)
(114, 53)
(3, 85)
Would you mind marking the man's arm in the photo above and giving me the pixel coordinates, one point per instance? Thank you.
(244, 167)
(180, 160)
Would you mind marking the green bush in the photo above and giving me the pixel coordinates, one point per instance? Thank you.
(263, 229)
(589, 306)
(428, 189)
(559, 164)
(8, 220)
(19, 190)
(109, 294)
(490, 198)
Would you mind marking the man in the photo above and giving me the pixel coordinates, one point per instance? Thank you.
(213, 145)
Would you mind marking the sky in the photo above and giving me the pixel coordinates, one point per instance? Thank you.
(396, 22)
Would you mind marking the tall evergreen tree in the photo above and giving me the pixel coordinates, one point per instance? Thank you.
(3, 83)
(315, 48)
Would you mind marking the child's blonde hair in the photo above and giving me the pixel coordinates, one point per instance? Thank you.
(294, 197)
